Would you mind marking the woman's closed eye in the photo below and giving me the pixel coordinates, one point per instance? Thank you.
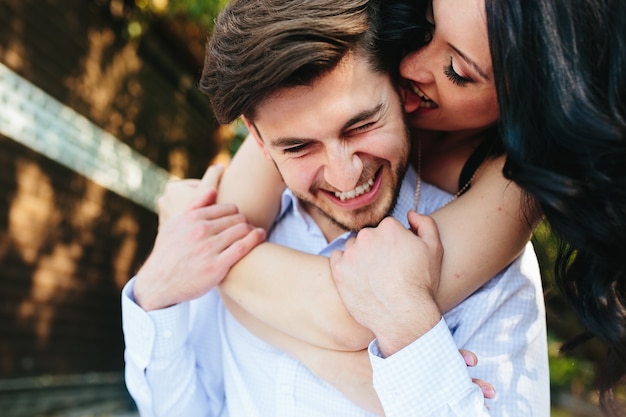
(454, 76)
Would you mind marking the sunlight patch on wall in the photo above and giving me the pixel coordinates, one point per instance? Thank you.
(53, 280)
(32, 211)
(40, 122)
(126, 229)
(99, 86)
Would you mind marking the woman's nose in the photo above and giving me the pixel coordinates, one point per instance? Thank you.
(416, 66)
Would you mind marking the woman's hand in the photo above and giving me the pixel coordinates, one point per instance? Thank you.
(472, 360)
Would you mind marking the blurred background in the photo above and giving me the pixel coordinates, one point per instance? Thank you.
(99, 108)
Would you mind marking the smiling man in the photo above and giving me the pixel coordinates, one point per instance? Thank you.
(341, 149)
(316, 94)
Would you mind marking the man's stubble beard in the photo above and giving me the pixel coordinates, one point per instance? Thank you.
(400, 172)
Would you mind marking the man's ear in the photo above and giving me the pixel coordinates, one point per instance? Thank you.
(255, 134)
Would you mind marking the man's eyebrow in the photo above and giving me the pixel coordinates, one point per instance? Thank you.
(280, 142)
(286, 142)
(471, 63)
(364, 115)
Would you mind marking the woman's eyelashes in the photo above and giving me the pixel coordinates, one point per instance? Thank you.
(454, 76)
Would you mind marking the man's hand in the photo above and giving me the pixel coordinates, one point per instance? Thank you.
(194, 250)
(179, 194)
(387, 277)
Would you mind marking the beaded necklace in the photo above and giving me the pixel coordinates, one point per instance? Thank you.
(419, 180)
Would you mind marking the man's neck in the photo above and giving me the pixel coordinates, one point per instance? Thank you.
(330, 229)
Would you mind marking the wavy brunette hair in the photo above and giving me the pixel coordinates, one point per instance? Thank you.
(560, 71)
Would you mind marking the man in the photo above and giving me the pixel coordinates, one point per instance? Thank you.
(344, 173)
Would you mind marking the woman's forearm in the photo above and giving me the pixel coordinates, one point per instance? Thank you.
(294, 292)
(482, 232)
(253, 184)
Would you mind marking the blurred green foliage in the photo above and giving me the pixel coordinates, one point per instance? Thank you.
(192, 20)
(572, 373)
(568, 374)
(202, 12)
(240, 131)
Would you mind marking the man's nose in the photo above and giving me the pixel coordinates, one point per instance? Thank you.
(343, 169)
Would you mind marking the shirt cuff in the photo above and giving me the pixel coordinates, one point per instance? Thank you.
(152, 334)
(423, 378)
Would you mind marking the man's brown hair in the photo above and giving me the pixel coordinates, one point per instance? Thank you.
(259, 47)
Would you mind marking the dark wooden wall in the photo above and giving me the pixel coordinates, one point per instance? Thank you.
(141, 90)
(68, 245)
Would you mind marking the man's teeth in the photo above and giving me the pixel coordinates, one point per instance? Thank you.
(361, 189)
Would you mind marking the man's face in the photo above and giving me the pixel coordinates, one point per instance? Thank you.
(341, 145)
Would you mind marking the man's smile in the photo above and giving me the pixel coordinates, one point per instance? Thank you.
(359, 190)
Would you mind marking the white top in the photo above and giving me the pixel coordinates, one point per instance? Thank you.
(195, 359)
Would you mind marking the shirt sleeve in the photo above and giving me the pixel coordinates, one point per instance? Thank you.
(170, 369)
(426, 378)
(504, 324)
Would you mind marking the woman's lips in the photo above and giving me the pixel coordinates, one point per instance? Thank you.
(416, 100)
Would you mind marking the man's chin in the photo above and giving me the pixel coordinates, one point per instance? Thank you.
(356, 222)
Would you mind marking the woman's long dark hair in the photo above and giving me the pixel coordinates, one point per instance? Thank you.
(403, 28)
(560, 71)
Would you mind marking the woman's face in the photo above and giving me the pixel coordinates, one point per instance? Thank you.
(448, 84)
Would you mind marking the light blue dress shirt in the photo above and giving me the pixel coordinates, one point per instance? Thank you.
(195, 359)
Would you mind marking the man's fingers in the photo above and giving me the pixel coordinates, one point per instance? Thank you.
(240, 245)
(176, 198)
(217, 241)
(424, 227)
(203, 199)
(207, 188)
(211, 178)
(216, 226)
